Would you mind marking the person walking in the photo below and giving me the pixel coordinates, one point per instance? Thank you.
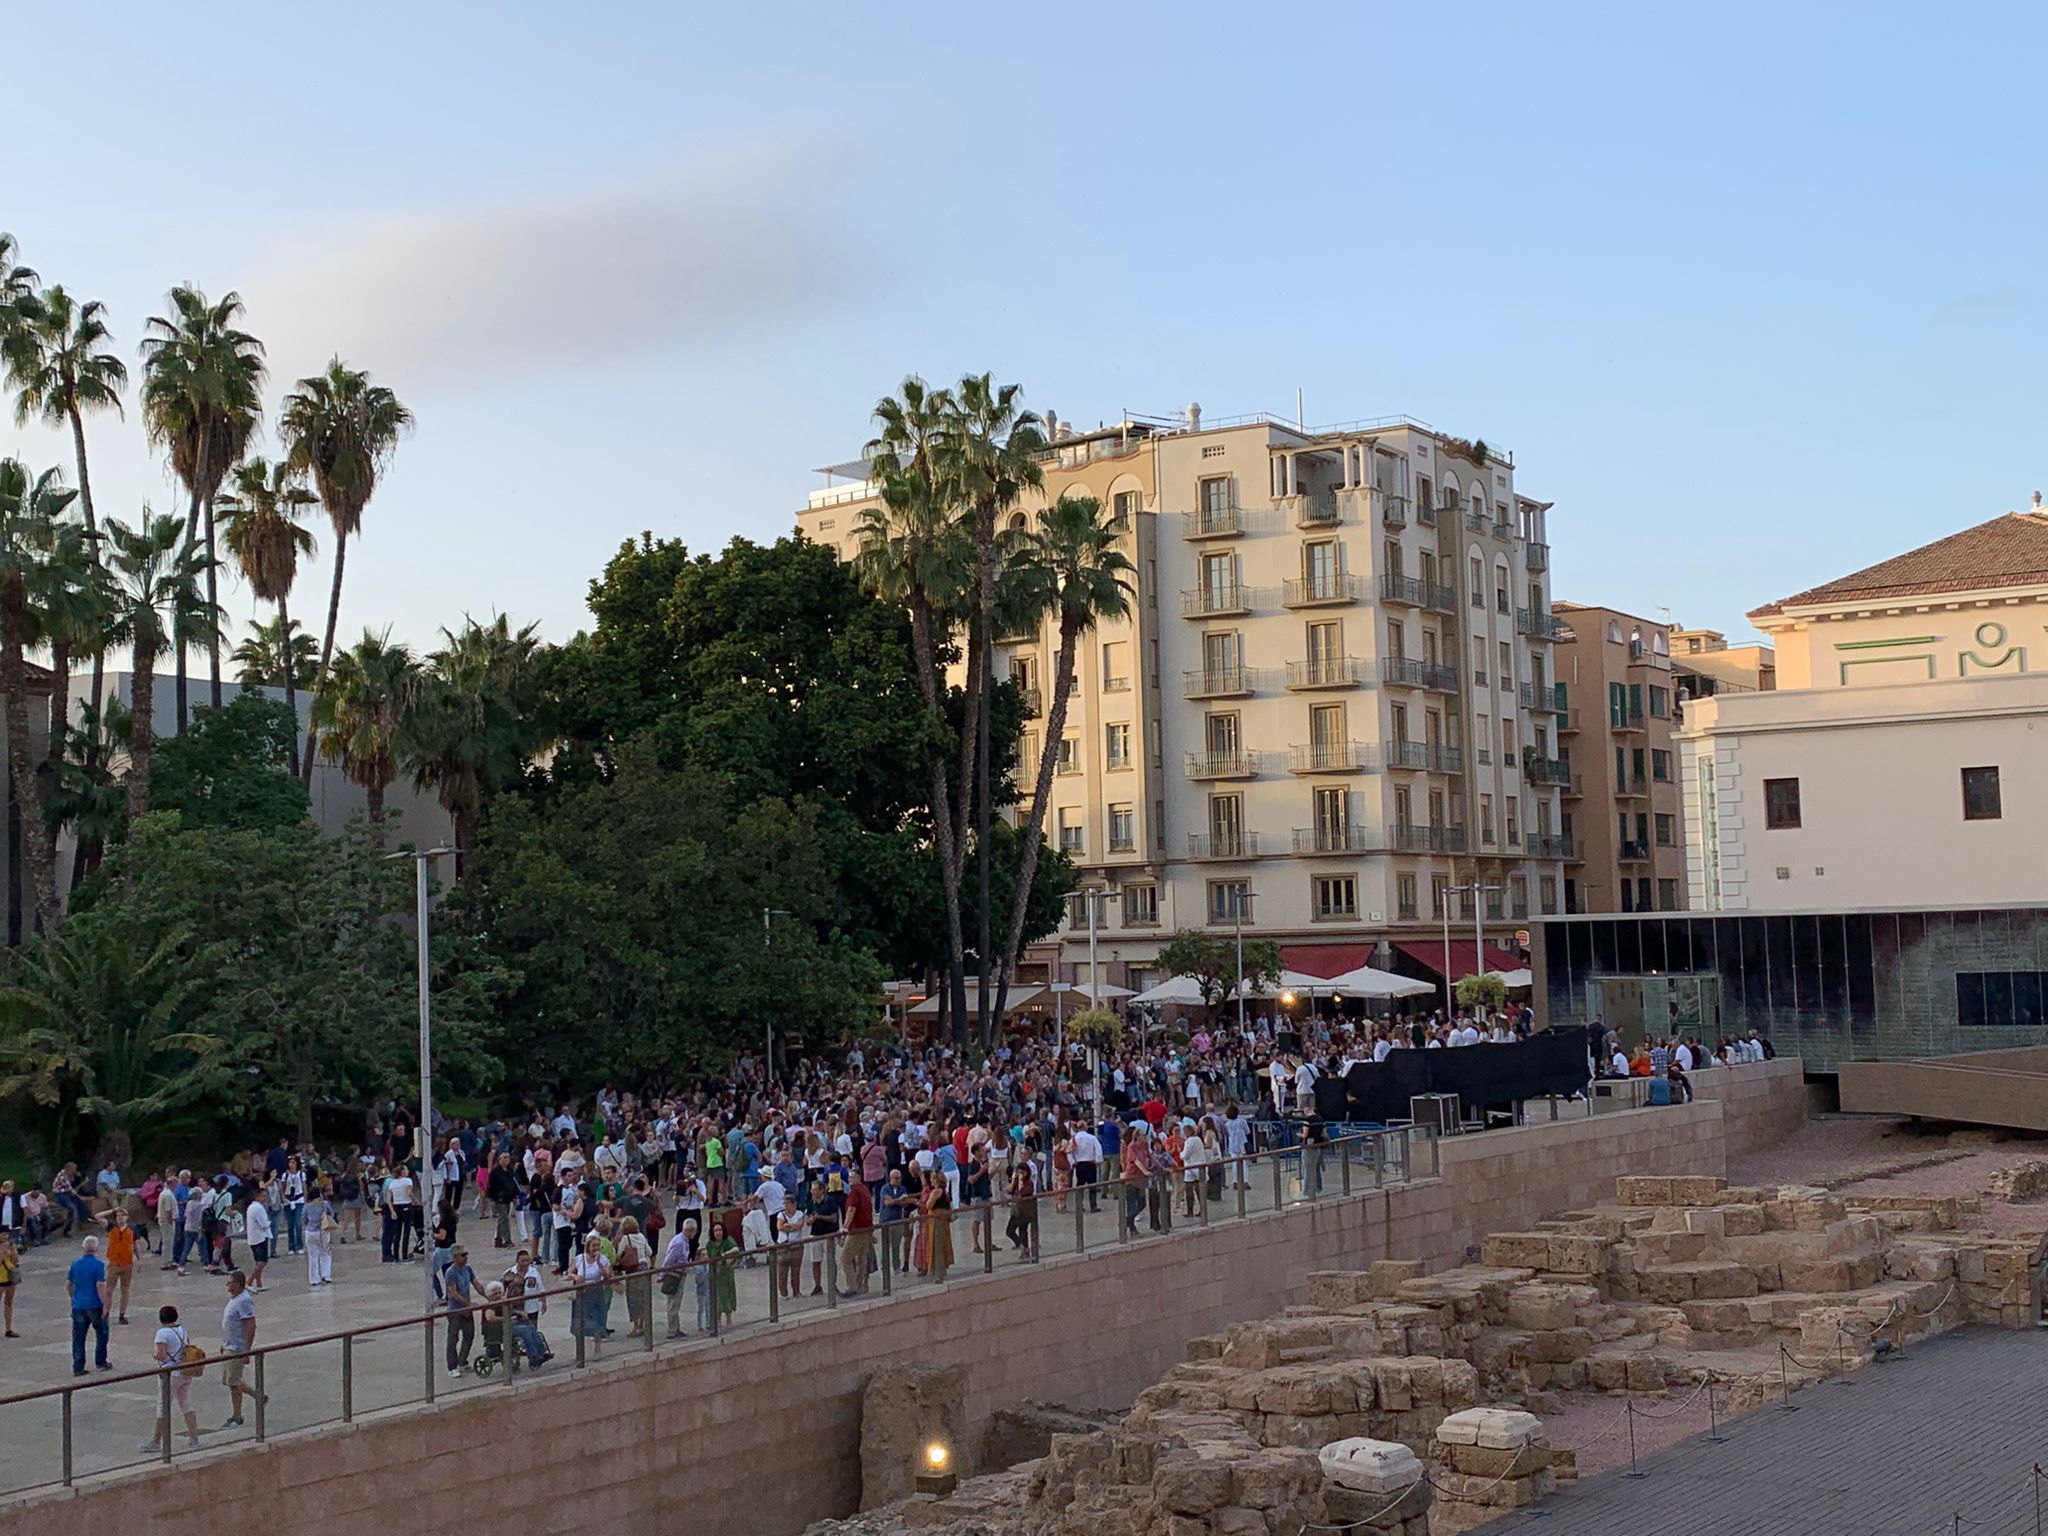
(87, 1278)
(322, 1226)
(860, 1239)
(10, 1279)
(237, 1338)
(172, 1344)
(501, 1189)
(257, 1228)
(292, 1192)
(120, 1262)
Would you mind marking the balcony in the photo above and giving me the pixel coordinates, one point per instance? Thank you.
(1634, 787)
(1393, 510)
(1549, 699)
(1333, 839)
(1626, 720)
(1032, 701)
(1405, 591)
(1640, 655)
(1228, 764)
(1633, 852)
(1548, 845)
(1216, 683)
(1330, 757)
(1116, 685)
(1568, 719)
(1539, 555)
(1328, 672)
(1216, 602)
(1425, 757)
(1503, 531)
(1481, 677)
(1477, 522)
(1314, 509)
(1405, 672)
(1213, 523)
(1483, 756)
(1538, 626)
(1439, 599)
(1425, 514)
(1325, 591)
(1223, 845)
(1546, 770)
(1067, 764)
(1118, 763)
(1406, 838)
(1123, 845)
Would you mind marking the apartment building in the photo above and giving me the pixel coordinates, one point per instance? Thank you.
(1704, 664)
(1898, 765)
(1623, 811)
(1332, 712)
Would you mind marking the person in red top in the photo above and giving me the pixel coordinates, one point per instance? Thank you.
(860, 1239)
(960, 1133)
(1154, 1111)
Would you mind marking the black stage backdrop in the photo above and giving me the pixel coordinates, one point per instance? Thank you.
(1549, 1061)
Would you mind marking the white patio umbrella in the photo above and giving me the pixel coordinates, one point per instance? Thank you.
(1369, 981)
(1175, 989)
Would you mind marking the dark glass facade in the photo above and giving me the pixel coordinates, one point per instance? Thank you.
(1828, 986)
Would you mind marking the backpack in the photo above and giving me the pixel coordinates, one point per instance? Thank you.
(629, 1257)
(191, 1358)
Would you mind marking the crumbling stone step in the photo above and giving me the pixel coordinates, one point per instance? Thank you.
(1703, 1280)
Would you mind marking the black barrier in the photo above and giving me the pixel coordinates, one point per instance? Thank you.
(1549, 1061)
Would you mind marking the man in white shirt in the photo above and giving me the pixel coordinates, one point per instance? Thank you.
(1277, 1071)
(757, 1228)
(1380, 1047)
(1684, 1057)
(1305, 1086)
(771, 1194)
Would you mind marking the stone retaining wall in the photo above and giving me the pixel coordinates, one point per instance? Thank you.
(1762, 1102)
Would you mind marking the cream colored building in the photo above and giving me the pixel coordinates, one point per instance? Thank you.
(1333, 701)
(1903, 758)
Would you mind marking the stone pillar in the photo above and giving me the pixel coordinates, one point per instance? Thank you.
(1374, 1486)
(1487, 1461)
(904, 1408)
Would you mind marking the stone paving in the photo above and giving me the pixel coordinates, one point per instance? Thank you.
(1952, 1429)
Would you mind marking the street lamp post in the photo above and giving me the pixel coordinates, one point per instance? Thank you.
(429, 1163)
(768, 1038)
(1238, 895)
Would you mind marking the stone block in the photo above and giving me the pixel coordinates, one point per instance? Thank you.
(1195, 1479)
(1370, 1466)
(1742, 1220)
(1708, 1222)
(1495, 1428)
(1819, 1276)
(1333, 1290)
(1577, 1254)
(1516, 1250)
(1388, 1275)
(903, 1408)
(1541, 1308)
(1497, 1461)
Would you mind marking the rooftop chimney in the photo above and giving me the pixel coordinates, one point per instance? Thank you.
(2037, 499)
(1195, 421)
(1052, 425)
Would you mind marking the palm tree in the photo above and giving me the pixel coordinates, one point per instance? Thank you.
(913, 553)
(479, 717)
(359, 713)
(202, 391)
(263, 533)
(85, 795)
(29, 513)
(70, 598)
(1070, 566)
(156, 574)
(342, 430)
(62, 368)
(992, 457)
(259, 659)
(17, 284)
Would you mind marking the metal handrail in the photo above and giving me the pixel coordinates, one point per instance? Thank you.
(1337, 1170)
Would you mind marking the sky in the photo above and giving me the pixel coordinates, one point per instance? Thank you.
(1754, 293)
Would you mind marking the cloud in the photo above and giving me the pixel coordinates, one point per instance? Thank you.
(725, 245)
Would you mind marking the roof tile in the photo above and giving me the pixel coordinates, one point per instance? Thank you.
(2008, 551)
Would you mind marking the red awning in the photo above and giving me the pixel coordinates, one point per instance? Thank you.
(1430, 953)
(1326, 959)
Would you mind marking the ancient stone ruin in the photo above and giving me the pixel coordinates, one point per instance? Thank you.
(1315, 1415)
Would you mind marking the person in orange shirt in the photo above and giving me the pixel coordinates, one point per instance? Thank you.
(120, 1259)
(1639, 1064)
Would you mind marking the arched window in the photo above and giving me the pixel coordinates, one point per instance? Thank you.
(1018, 522)
(1613, 632)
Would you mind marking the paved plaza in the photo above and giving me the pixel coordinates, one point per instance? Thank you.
(1903, 1449)
(391, 1368)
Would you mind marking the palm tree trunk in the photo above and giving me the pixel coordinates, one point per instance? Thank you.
(373, 799)
(327, 645)
(1041, 796)
(212, 602)
(28, 787)
(60, 719)
(192, 532)
(92, 532)
(141, 736)
(924, 657)
(291, 687)
(984, 811)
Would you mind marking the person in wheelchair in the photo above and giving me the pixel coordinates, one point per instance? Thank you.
(491, 1320)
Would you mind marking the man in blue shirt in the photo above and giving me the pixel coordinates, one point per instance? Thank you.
(1111, 1135)
(87, 1279)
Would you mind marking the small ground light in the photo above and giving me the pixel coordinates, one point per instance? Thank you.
(935, 1475)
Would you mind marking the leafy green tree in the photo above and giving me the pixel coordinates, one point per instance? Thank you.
(29, 511)
(1487, 991)
(360, 712)
(477, 717)
(341, 429)
(202, 392)
(233, 768)
(264, 535)
(154, 572)
(85, 795)
(1211, 959)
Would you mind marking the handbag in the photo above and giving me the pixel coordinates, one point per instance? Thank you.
(329, 1222)
(191, 1358)
(671, 1283)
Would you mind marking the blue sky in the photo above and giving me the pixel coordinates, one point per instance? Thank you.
(1753, 292)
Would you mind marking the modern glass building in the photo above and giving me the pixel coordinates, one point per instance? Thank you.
(1827, 986)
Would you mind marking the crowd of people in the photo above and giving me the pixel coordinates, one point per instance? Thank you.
(827, 1175)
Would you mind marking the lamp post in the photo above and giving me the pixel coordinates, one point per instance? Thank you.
(768, 1037)
(1238, 897)
(425, 1140)
(1479, 891)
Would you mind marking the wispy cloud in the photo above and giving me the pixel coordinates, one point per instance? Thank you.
(590, 277)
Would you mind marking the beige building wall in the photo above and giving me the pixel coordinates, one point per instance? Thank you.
(1623, 803)
(1881, 818)
(1340, 696)
(1920, 639)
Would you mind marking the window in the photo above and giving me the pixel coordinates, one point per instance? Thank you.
(1070, 829)
(1141, 906)
(1326, 725)
(1221, 734)
(1404, 896)
(1116, 746)
(1635, 767)
(1507, 665)
(1512, 807)
(1660, 702)
(1643, 894)
(1397, 639)
(1123, 506)
(1216, 496)
(1617, 704)
(1663, 829)
(1333, 819)
(1397, 716)
(1226, 823)
(1229, 900)
(1123, 829)
(1478, 583)
(1116, 666)
(1614, 638)
(1336, 897)
(1980, 795)
(1077, 910)
(1219, 581)
(1069, 760)
(1479, 678)
(1325, 645)
(1781, 803)
(1546, 890)
(1439, 895)
(1628, 897)
(1997, 999)
(1500, 589)
(1486, 818)
(1507, 739)
(1660, 766)
(1667, 895)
